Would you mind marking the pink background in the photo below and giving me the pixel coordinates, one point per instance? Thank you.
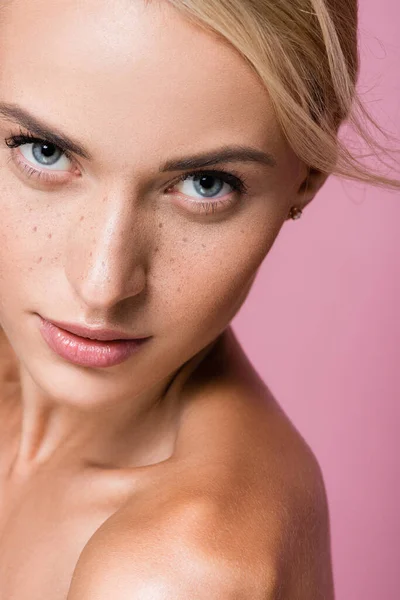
(322, 327)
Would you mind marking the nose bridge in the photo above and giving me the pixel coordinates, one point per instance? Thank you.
(106, 264)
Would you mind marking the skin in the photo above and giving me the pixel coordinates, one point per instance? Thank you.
(177, 462)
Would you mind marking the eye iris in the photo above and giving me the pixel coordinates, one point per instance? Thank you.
(207, 182)
(46, 153)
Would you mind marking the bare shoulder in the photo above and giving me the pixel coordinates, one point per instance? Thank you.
(167, 549)
(239, 511)
(155, 566)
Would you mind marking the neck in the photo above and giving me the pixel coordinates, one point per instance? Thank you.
(133, 432)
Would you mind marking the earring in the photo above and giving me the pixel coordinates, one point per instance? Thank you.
(295, 213)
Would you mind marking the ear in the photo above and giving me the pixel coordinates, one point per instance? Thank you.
(310, 185)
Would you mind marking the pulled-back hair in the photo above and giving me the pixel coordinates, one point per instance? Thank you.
(306, 54)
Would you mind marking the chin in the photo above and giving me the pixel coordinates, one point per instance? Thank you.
(58, 382)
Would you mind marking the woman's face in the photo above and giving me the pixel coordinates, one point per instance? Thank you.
(107, 234)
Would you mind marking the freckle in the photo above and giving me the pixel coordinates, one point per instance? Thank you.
(30, 268)
(50, 236)
(184, 240)
(160, 225)
(82, 218)
(31, 209)
(203, 245)
(242, 231)
(172, 260)
(157, 250)
(35, 228)
(179, 289)
(56, 258)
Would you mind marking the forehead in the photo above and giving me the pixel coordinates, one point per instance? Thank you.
(130, 65)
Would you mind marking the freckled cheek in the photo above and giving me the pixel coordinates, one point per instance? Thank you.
(203, 283)
(27, 241)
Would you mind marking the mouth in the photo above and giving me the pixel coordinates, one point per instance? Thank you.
(89, 347)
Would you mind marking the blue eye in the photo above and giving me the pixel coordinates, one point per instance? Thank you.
(207, 184)
(45, 153)
(40, 152)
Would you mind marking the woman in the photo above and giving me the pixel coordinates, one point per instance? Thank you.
(151, 153)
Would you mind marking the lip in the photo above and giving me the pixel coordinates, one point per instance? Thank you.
(89, 347)
(91, 333)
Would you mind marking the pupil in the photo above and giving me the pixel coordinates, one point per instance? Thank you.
(205, 178)
(48, 150)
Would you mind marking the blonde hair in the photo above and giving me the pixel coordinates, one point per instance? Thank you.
(306, 54)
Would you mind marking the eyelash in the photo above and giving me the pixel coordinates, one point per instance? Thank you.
(236, 180)
(15, 141)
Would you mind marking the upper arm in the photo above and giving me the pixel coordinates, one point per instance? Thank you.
(307, 573)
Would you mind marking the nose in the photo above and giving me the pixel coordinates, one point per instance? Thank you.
(105, 261)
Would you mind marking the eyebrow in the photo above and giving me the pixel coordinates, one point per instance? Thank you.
(225, 154)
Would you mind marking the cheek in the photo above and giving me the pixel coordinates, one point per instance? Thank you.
(204, 279)
(27, 239)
